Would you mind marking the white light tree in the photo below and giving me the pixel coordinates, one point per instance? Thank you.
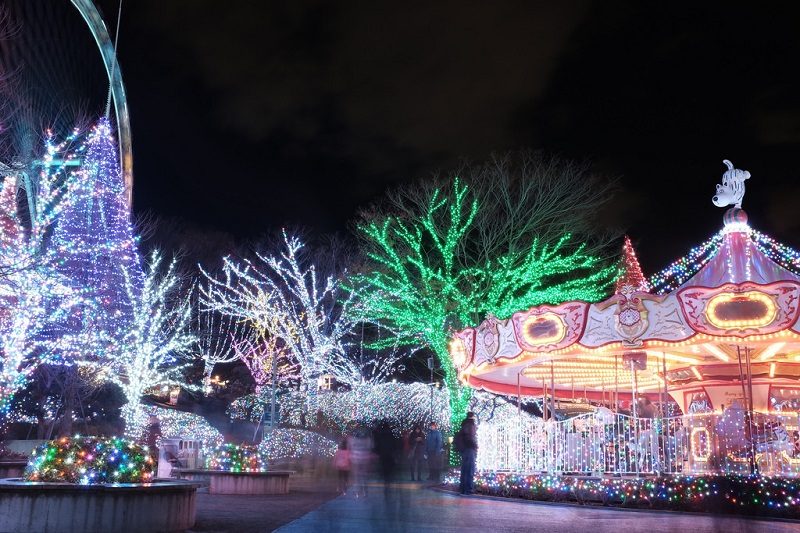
(217, 336)
(32, 295)
(158, 345)
(266, 357)
(283, 296)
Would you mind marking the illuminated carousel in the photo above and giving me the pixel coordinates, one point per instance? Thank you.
(700, 374)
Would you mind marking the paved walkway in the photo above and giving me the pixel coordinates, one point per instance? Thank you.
(313, 505)
(415, 508)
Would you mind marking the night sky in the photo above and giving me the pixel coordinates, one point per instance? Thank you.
(252, 114)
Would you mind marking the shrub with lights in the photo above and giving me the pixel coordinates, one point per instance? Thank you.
(731, 494)
(176, 423)
(90, 461)
(236, 458)
(283, 443)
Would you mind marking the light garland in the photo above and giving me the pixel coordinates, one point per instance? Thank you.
(683, 269)
(90, 461)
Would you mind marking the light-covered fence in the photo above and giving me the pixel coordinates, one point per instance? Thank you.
(608, 443)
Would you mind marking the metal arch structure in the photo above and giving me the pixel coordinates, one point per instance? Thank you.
(101, 36)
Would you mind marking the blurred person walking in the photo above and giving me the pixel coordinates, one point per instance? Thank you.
(360, 447)
(467, 439)
(341, 462)
(387, 448)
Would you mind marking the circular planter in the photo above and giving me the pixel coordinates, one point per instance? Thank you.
(224, 482)
(126, 507)
(12, 468)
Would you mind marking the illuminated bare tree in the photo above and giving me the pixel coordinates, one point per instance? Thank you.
(217, 335)
(266, 358)
(285, 297)
(158, 345)
(32, 295)
(493, 238)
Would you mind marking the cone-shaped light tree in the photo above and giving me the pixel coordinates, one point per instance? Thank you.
(630, 271)
(94, 246)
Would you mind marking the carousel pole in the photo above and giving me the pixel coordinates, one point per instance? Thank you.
(634, 386)
(603, 390)
(749, 377)
(748, 428)
(553, 412)
(665, 413)
(754, 467)
(552, 388)
(616, 382)
(545, 417)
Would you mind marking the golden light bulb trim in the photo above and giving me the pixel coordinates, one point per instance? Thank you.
(722, 299)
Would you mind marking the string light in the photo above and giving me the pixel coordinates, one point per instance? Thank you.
(289, 306)
(155, 348)
(424, 281)
(94, 247)
(34, 297)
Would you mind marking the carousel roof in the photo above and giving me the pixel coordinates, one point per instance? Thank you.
(740, 306)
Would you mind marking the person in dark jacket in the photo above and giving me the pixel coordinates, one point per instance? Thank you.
(416, 452)
(469, 432)
(434, 446)
(387, 446)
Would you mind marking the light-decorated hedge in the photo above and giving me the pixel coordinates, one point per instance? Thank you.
(90, 461)
(236, 458)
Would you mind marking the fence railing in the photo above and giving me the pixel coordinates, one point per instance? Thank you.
(603, 442)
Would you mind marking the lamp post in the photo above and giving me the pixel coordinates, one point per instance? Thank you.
(430, 410)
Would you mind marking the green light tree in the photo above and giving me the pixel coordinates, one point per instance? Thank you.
(504, 236)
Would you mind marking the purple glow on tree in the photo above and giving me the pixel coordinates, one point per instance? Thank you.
(94, 245)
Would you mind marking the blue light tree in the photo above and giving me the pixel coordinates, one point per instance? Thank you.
(94, 246)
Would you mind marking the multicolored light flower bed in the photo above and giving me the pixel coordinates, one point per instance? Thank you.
(738, 495)
(90, 461)
(236, 458)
